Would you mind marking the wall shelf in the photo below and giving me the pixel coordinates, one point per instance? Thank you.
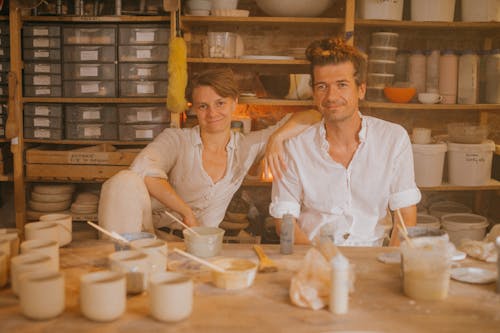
(410, 25)
(418, 106)
(100, 19)
(88, 142)
(204, 20)
(239, 61)
(96, 100)
(268, 101)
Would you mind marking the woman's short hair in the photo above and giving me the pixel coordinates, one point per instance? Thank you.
(222, 80)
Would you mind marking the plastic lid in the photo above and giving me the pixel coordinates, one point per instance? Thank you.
(429, 148)
(487, 146)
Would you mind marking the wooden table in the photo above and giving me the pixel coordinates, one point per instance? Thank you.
(377, 305)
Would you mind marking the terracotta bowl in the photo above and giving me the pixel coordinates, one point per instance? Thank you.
(399, 95)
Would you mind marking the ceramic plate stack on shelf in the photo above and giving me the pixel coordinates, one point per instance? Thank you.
(381, 64)
(86, 203)
(50, 198)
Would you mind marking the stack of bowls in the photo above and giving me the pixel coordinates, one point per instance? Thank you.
(198, 7)
(381, 64)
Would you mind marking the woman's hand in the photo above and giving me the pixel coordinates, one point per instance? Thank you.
(274, 158)
(190, 220)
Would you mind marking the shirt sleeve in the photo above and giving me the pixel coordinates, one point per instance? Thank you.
(158, 158)
(404, 191)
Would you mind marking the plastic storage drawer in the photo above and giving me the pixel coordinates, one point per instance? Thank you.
(46, 122)
(143, 53)
(48, 110)
(43, 91)
(140, 132)
(41, 43)
(42, 68)
(130, 71)
(143, 88)
(4, 52)
(41, 30)
(78, 71)
(43, 133)
(89, 89)
(133, 114)
(42, 54)
(89, 35)
(89, 53)
(42, 80)
(90, 113)
(143, 35)
(4, 67)
(77, 131)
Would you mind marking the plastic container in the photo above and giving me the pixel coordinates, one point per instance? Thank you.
(385, 39)
(89, 35)
(143, 88)
(42, 91)
(467, 133)
(448, 76)
(433, 10)
(383, 53)
(86, 53)
(140, 132)
(206, 243)
(47, 122)
(428, 160)
(39, 54)
(76, 131)
(131, 71)
(41, 68)
(492, 94)
(470, 164)
(464, 226)
(42, 80)
(401, 69)
(91, 113)
(381, 10)
(379, 80)
(432, 71)
(221, 45)
(48, 110)
(375, 94)
(381, 66)
(468, 78)
(41, 43)
(428, 221)
(89, 89)
(441, 208)
(239, 273)
(417, 71)
(480, 11)
(137, 114)
(224, 4)
(143, 53)
(143, 35)
(85, 71)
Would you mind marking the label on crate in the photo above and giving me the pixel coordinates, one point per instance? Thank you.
(92, 132)
(41, 42)
(41, 122)
(87, 115)
(144, 72)
(89, 55)
(42, 91)
(144, 116)
(41, 133)
(145, 88)
(144, 134)
(143, 54)
(42, 68)
(145, 36)
(41, 54)
(41, 80)
(89, 71)
(42, 110)
(89, 88)
(40, 32)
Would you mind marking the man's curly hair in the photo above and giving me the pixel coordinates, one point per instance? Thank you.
(332, 51)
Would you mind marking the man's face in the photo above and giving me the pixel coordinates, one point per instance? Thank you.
(213, 111)
(335, 91)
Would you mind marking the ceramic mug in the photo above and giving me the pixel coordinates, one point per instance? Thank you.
(41, 294)
(136, 267)
(156, 250)
(43, 246)
(103, 295)
(171, 296)
(65, 222)
(42, 230)
(421, 136)
(28, 262)
(430, 98)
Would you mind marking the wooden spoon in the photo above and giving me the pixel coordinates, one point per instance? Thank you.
(266, 265)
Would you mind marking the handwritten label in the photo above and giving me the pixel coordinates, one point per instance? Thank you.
(145, 88)
(40, 32)
(41, 54)
(42, 110)
(92, 132)
(88, 158)
(144, 116)
(89, 55)
(144, 134)
(145, 36)
(41, 42)
(41, 133)
(42, 91)
(89, 88)
(145, 72)
(41, 80)
(42, 68)
(88, 115)
(89, 71)
(143, 54)
(41, 122)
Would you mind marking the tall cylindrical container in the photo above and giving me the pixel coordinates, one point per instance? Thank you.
(448, 76)
(432, 72)
(287, 234)
(483, 58)
(468, 81)
(417, 70)
(493, 77)
(339, 289)
(401, 70)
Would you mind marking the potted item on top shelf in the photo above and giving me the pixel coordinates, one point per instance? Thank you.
(294, 8)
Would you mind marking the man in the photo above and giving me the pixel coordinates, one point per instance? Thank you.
(193, 172)
(344, 172)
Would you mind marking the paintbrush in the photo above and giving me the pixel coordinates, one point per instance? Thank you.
(266, 265)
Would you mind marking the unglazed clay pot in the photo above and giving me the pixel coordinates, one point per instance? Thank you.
(29, 262)
(42, 230)
(170, 296)
(156, 250)
(41, 294)
(43, 246)
(239, 273)
(65, 230)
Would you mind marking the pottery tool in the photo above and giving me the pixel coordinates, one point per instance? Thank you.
(266, 265)
(201, 261)
(181, 223)
(402, 228)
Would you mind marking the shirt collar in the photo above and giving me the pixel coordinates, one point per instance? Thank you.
(196, 138)
(321, 137)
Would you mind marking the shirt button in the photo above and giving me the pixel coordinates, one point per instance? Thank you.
(346, 235)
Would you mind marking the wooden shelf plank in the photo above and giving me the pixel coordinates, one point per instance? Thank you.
(134, 100)
(192, 20)
(122, 18)
(419, 106)
(6, 178)
(2, 140)
(238, 61)
(427, 25)
(63, 180)
(87, 142)
(268, 101)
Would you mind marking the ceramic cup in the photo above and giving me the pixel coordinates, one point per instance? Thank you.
(421, 136)
(43, 246)
(42, 230)
(103, 295)
(430, 98)
(156, 250)
(171, 296)
(12, 236)
(3, 269)
(28, 262)
(136, 267)
(207, 243)
(65, 222)
(41, 294)
(239, 273)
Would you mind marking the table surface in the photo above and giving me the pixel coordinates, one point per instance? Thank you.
(377, 304)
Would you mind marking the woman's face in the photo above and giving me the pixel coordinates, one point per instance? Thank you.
(213, 111)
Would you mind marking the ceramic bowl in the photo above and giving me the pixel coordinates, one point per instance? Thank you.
(240, 273)
(294, 8)
(207, 243)
(65, 222)
(399, 95)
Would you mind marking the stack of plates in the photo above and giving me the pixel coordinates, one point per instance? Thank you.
(85, 203)
(51, 198)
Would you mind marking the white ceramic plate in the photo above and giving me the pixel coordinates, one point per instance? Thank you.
(473, 275)
(266, 57)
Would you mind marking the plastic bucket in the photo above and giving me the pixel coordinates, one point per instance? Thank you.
(464, 226)
(428, 221)
(381, 10)
(432, 10)
(428, 161)
(441, 208)
(480, 11)
(470, 164)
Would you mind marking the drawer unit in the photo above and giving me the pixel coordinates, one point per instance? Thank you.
(43, 133)
(42, 80)
(41, 43)
(42, 68)
(143, 53)
(133, 114)
(42, 91)
(143, 88)
(103, 35)
(90, 113)
(89, 53)
(85, 71)
(47, 110)
(89, 89)
(42, 54)
(155, 71)
(145, 35)
(4, 90)
(140, 132)
(76, 131)
(41, 30)
(4, 67)
(46, 122)
(4, 52)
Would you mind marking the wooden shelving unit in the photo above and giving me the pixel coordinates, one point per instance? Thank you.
(411, 25)
(87, 142)
(97, 100)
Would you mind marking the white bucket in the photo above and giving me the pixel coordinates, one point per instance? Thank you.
(480, 10)
(464, 226)
(442, 208)
(432, 10)
(381, 10)
(428, 161)
(470, 164)
(428, 221)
